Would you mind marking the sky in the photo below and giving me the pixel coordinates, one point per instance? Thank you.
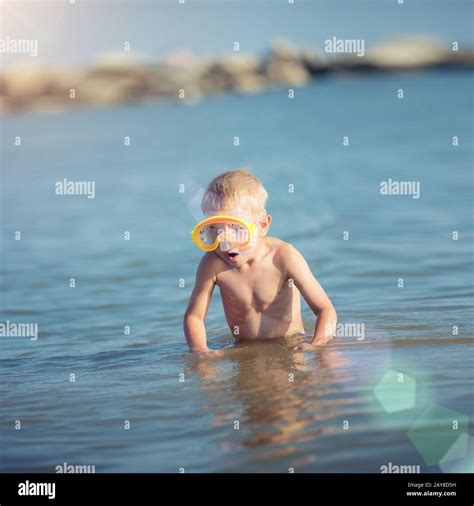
(78, 33)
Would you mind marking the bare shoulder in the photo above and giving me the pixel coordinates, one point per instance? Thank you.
(209, 261)
(284, 250)
(285, 254)
(211, 265)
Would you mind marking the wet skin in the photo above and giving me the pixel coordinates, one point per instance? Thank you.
(260, 285)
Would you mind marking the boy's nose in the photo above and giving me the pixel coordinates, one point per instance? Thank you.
(224, 238)
(225, 245)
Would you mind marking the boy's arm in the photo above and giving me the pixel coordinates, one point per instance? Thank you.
(313, 294)
(193, 323)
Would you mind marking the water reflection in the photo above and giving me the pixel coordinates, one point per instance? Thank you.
(277, 396)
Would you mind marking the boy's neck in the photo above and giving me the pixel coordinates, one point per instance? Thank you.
(259, 252)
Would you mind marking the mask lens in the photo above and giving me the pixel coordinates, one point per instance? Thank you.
(238, 234)
(209, 234)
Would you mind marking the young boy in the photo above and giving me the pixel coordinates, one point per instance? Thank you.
(260, 278)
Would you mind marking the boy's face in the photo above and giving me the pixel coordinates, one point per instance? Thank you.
(231, 254)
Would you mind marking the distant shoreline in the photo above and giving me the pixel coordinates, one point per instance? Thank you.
(111, 82)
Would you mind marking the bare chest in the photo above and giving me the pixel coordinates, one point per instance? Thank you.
(261, 290)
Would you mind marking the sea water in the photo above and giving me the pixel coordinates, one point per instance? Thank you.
(109, 381)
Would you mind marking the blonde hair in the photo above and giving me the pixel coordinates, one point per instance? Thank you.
(239, 188)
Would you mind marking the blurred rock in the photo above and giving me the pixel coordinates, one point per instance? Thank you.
(282, 49)
(460, 60)
(287, 72)
(314, 63)
(23, 86)
(232, 73)
(286, 65)
(250, 83)
(116, 79)
(407, 53)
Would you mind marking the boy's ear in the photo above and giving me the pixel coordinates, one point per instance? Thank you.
(265, 224)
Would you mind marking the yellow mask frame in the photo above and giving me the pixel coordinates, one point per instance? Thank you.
(251, 228)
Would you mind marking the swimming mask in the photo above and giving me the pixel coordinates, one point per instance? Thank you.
(223, 230)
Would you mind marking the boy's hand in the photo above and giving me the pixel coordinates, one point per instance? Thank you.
(305, 347)
(314, 345)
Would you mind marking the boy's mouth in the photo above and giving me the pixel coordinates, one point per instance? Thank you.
(232, 255)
